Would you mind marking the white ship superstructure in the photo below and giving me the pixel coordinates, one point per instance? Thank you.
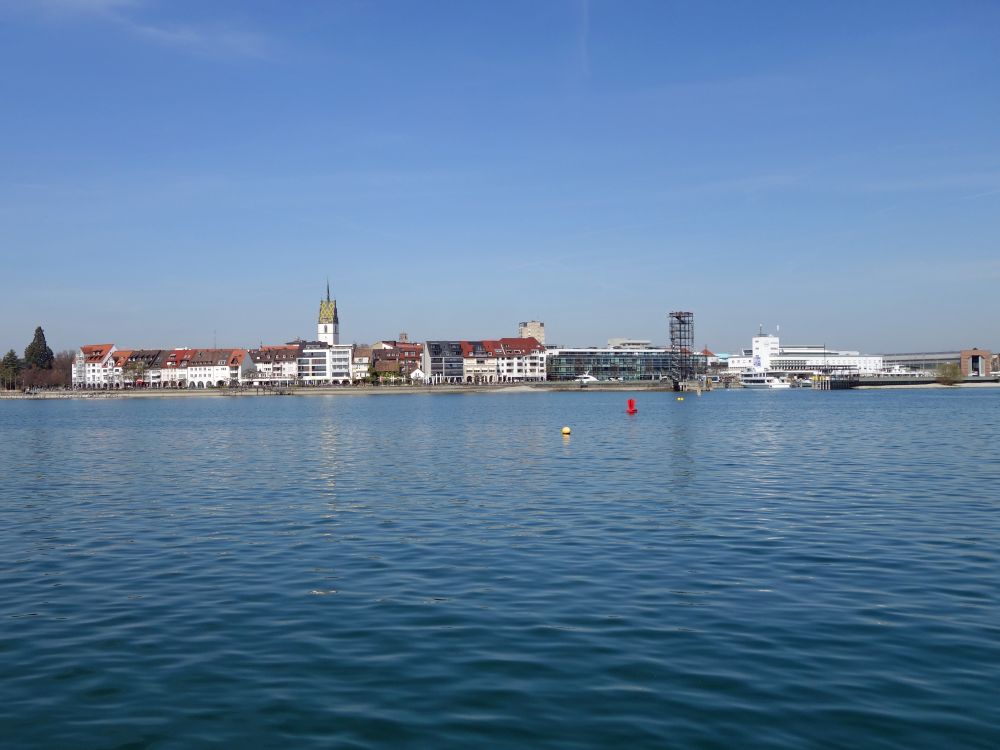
(763, 380)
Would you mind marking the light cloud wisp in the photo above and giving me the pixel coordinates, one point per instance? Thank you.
(219, 40)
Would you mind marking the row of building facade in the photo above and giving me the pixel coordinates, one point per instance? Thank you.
(325, 361)
(508, 360)
(521, 359)
(489, 361)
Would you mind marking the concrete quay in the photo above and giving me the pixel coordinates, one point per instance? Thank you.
(905, 381)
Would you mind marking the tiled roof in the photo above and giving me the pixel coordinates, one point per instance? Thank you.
(96, 352)
(275, 353)
(149, 357)
(293, 348)
(494, 347)
(475, 349)
(328, 311)
(515, 346)
(178, 358)
(120, 357)
(216, 357)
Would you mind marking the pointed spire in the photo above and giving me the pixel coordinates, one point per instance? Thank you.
(327, 288)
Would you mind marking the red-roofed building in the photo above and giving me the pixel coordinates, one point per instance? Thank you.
(479, 361)
(275, 365)
(520, 360)
(395, 359)
(506, 360)
(93, 366)
(173, 369)
(116, 367)
(216, 368)
(141, 368)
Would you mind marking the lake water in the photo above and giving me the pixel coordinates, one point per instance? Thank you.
(742, 569)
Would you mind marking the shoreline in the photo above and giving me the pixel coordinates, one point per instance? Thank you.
(902, 386)
(513, 388)
(338, 391)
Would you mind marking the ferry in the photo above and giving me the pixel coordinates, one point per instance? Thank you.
(763, 380)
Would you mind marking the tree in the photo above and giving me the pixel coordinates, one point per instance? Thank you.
(10, 367)
(134, 371)
(62, 369)
(38, 354)
(949, 374)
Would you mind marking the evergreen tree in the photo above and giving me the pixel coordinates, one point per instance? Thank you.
(38, 354)
(10, 366)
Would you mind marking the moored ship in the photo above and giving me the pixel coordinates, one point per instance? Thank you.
(763, 380)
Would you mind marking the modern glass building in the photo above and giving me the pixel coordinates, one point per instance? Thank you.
(609, 364)
(443, 361)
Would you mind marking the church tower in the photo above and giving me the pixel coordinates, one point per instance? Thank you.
(328, 327)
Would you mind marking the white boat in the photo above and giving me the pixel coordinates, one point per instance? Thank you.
(763, 380)
(586, 378)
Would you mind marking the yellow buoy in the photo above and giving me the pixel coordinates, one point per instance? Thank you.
(680, 398)
(565, 430)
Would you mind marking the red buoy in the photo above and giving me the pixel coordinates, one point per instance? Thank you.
(631, 407)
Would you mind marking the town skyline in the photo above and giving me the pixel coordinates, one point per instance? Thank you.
(181, 172)
(215, 340)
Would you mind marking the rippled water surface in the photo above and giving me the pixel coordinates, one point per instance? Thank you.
(743, 569)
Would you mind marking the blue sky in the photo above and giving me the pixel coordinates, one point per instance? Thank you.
(173, 172)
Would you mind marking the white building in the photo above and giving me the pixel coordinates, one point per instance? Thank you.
(323, 364)
(93, 366)
(218, 368)
(507, 360)
(117, 376)
(479, 362)
(520, 360)
(275, 365)
(361, 362)
(767, 354)
(201, 368)
(172, 372)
